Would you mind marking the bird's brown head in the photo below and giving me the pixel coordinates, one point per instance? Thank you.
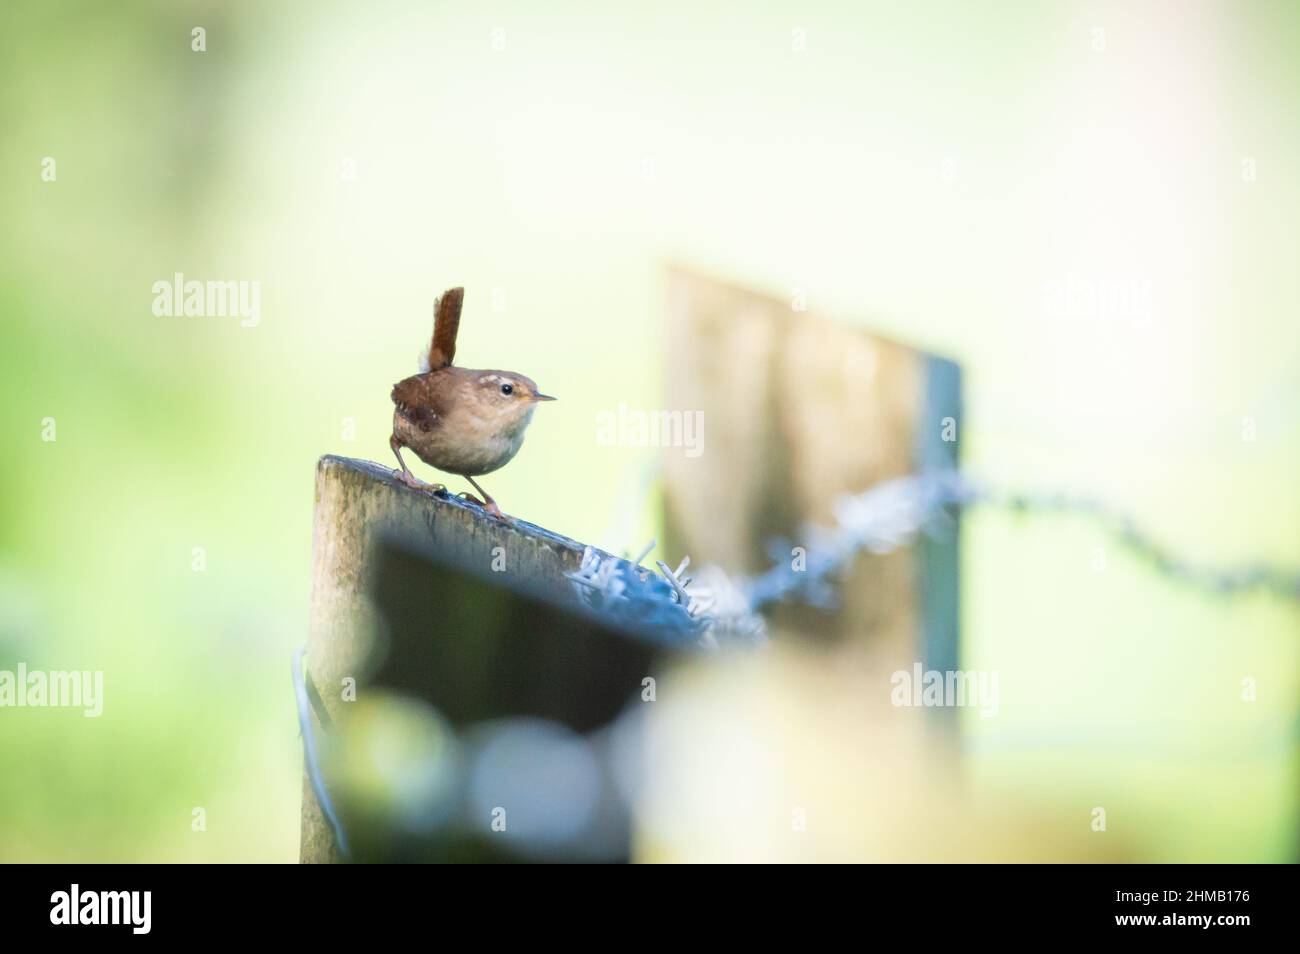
(506, 396)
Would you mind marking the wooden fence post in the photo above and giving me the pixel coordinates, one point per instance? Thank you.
(357, 504)
(797, 411)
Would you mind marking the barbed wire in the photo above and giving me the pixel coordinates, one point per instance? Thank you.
(720, 609)
(628, 592)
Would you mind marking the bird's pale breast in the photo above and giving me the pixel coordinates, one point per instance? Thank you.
(461, 442)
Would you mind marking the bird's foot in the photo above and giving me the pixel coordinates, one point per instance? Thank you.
(415, 483)
(491, 506)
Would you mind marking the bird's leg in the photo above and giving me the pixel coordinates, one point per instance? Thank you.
(489, 504)
(404, 475)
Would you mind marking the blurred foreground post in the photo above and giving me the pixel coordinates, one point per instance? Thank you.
(359, 507)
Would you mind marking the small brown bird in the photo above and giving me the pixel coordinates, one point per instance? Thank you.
(458, 420)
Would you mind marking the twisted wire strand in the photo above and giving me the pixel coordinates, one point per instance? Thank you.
(892, 514)
(311, 755)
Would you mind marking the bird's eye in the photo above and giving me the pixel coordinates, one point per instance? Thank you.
(507, 389)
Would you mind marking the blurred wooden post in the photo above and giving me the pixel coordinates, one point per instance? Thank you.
(798, 410)
(357, 504)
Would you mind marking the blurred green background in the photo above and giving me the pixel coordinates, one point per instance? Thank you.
(928, 170)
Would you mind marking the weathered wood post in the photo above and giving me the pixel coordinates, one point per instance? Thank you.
(358, 504)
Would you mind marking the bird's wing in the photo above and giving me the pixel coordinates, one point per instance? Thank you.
(418, 399)
(446, 322)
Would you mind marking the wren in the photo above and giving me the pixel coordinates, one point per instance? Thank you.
(461, 421)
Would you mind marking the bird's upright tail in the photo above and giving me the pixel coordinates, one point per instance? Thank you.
(446, 322)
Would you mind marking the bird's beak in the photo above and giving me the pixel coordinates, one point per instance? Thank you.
(538, 396)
